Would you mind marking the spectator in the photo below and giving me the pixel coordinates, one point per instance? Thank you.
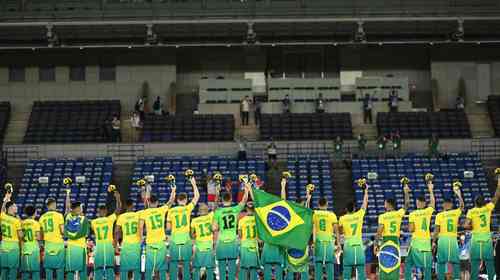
(337, 146)
(367, 109)
(361, 143)
(433, 145)
(212, 190)
(393, 101)
(460, 103)
(157, 107)
(464, 255)
(320, 104)
(115, 129)
(381, 142)
(396, 143)
(245, 110)
(272, 152)
(258, 112)
(135, 122)
(139, 108)
(286, 104)
(242, 149)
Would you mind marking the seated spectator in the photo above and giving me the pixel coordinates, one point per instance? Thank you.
(286, 104)
(393, 101)
(272, 153)
(320, 104)
(157, 107)
(460, 103)
(367, 109)
(115, 130)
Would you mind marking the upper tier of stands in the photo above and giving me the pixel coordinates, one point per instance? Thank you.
(494, 110)
(446, 124)
(4, 118)
(97, 172)
(306, 126)
(315, 171)
(390, 172)
(161, 167)
(188, 128)
(71, 121)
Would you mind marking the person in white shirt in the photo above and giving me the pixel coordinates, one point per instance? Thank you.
(135, 123)
(115, 129)
(272, 152)
(320, 104)
(245, 110)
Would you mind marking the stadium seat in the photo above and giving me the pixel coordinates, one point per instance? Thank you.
(4, 118)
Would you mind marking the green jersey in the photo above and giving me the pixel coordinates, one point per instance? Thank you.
(227, 220)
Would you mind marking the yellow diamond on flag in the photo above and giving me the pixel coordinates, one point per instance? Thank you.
(278, 218)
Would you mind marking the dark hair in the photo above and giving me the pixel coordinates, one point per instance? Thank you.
(448, 199)
(9, 204)
(75, 205)
(351, 206)
(182, 196)
(421, 198)
(391, 201)
(129, 202)
(102, 208)
(322, 202)
(153, 199)
(226, 196)
(479, 201)
(29, 210)
(50, 201)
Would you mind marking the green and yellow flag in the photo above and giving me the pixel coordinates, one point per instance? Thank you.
(282, 223)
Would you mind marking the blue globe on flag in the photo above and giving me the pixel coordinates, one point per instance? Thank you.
(278, 218)
(388, 257)
(296, 253)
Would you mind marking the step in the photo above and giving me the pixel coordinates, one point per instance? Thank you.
(359, 127)
(480, 125)
(17, 126)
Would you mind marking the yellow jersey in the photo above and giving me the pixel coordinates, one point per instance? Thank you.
(81, 242)
(103, 228)
(248, 230)
(31, 229)
(51, 223)
(448, 222)
(154, 222)
(352, 225)
(391, 221)
(323, 222)
(179, 218)
(202, 228)
(10, 227)
(129, 223)
(481, 218)
(421, 219)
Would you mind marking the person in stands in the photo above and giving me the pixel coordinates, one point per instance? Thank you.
(245, 110)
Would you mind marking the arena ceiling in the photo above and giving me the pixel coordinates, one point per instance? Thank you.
(94, 23)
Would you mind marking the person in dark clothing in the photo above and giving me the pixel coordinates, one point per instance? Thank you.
(367, 109)
(286, 104)
(258, 112)
(393, 102)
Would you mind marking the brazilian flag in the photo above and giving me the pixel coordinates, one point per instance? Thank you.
(389, 258)
(76, 227)
(282, 223)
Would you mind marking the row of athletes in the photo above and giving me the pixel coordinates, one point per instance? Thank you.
(223, 236)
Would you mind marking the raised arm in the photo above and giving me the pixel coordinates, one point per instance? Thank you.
(171, 200)
(196, 191)
(118, 202)
(6, 198)
(308, 199)
(432, 199)
(364, 206)
(283, 188)
(243, 201)
(68, 202)
(461, 203)
(406, 191)
(496, 197)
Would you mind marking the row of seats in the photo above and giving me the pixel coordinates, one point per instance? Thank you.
(4, 118)
(494, 110)
(390, 171)
(97, 172)
(445, 124)
(188, 128)
(71, 121)
(305, 126)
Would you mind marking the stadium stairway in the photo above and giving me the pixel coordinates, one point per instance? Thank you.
(342, 188)
(18, 124)
(358, 127)
(480, 124)
(250, 132)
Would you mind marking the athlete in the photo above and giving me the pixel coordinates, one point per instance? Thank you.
(201, 230)
(445, 231)
(274, 256)
(76, 230)
(127, 230)
(351, 225)
(226, 224)
(420, 251)
(389, 230)
(152, 221)
(179, 223)
(478, 221)
(52, 224)
(102, 227)
(325, 226)
(12, 238)
(249, 248)
(30, 253)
